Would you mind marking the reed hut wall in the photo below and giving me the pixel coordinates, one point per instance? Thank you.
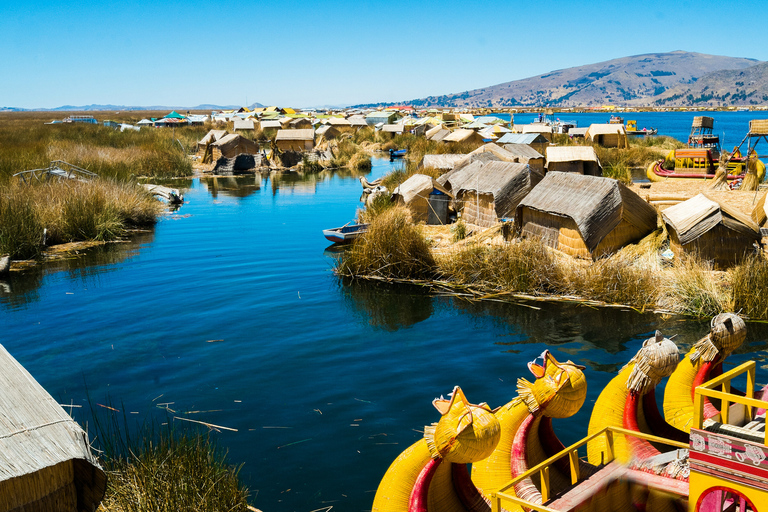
(713, 231)
(45, 460)
(723, 246)
(232, 145)
(414, 194)
(477, 209)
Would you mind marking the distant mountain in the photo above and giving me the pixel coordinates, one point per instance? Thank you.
(741, 87)
(95, 108)
(637, 80)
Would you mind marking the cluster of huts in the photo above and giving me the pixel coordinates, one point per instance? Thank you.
(564, 201)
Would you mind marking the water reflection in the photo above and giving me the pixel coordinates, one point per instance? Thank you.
(20, 288)
(387, 307)
(232, 186)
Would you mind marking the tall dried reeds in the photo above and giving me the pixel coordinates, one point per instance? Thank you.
(748, 287)
(392, 248)
(693, 289)
(70, 211)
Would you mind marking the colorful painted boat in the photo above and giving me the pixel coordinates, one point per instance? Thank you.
(712, 456)
(345, 233)
(700, 163)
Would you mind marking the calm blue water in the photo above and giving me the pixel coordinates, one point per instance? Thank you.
(228, 313)
(730, 126)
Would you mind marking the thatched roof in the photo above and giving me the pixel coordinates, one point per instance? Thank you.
(578, 132)
(340, 121)
(523, 151)
(243, 124)
(42, 449)
(502, 153)
(447, 161)
(418, 185)
(212, 136)
(271, 124)
(507, 182)
(303, 134)
(759, 213)
(357, 121)
(393, 128)
(465, 162)
(571, 154)
(597, 205)
(460, 135)
(437, 133)
(522, 138)
(605, 129)
(699, 214)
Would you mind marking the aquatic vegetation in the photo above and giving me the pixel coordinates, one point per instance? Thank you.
(615, 280)
(378, 205)
(392, 248)
(167, 469)
(618, 171)
(69, 212)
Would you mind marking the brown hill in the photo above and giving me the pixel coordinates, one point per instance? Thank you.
(636, 80)
(740, 87)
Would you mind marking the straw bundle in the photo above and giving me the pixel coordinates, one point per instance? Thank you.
(465, 433)
(720, 181)
(656, 360)
(727, 333)
(751, 181)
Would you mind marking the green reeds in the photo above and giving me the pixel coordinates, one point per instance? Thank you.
(392, 248)
(165, 468)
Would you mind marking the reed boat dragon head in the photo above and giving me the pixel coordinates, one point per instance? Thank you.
(465, 433)
(559, 389)
(655, 361)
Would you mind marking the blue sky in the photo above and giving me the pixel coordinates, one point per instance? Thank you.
(341, 52)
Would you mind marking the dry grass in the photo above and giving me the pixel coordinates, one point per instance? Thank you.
(748, 285)
(70, 211)
(692, 288)
(392, 248)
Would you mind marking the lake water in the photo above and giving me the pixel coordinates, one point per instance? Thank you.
(229, 313)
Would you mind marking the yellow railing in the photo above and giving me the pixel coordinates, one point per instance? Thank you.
(571, 452)
(726, 397)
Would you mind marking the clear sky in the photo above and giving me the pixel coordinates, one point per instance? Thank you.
(312, 53)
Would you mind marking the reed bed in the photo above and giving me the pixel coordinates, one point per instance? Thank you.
(99, 210)
(27, 143)
(392, 248)
(165, 469)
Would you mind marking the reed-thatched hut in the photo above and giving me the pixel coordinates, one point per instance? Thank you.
(203, 145)
(576, 159)
(327, 132)
(437, 133)
(611, 135)
(295, 140)
(711, 230)
(243, 124)
(487, 192)
(460, 165)
(544, 129)
(444, 162)
(537, 141)
(584, 216)
(232, 145)
(300, 123)
(46, 462)
(344, 125)
(414, 194)
(516, 153)
(462, 135)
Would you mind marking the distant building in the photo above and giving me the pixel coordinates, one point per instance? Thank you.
(295, 140)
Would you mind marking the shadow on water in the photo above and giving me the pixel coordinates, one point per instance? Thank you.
(387, 307)
(21, 288)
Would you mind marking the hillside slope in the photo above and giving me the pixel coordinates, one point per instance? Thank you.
(636, 80)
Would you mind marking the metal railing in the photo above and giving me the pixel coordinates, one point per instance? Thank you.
(501, 496)
(726, 397)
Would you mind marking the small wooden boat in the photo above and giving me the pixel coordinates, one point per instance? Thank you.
(396, 153)
(632, 129)
(345, 233)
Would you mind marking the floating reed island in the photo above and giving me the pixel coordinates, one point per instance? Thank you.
(493, 224)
